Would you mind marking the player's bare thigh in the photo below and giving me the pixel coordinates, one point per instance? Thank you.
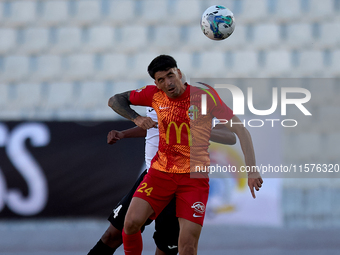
(139, 211)
(188, 236)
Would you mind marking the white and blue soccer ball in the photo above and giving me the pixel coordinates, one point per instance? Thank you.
(217, 22)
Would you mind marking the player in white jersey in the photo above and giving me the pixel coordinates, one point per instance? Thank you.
(166, 224)
(151, 139)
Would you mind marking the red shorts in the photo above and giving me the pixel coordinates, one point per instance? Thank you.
(158, 188)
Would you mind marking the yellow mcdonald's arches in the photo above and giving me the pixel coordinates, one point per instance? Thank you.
(178, 132)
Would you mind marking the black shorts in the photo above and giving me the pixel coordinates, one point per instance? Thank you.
(167, 229)
(166, 224)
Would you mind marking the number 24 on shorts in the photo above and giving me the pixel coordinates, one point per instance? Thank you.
(143, 189)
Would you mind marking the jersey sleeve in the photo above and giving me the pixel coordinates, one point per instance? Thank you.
(143, 96)
(218, 108)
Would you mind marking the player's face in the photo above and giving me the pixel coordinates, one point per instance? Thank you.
(170, 82)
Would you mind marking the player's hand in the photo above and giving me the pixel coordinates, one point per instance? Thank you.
(114, 136)
(254, 183)
(144, 122)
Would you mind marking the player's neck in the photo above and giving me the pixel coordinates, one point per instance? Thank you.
(183, 93)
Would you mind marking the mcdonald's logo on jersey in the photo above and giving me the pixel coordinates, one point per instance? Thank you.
(181, 137)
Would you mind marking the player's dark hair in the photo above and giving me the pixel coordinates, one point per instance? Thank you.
(161, 63)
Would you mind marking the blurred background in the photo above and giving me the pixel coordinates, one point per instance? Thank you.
(60, 62)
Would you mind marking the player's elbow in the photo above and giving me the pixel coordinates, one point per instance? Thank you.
(115, 101)
(111, 101)
(241, 130)
(232, 139)
(119, 100)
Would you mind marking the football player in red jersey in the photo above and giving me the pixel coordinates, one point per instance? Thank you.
(166, 225)
(183, 145)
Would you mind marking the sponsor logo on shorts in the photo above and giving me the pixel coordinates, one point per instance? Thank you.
(199, 207)
(172, 247)
(196, 216)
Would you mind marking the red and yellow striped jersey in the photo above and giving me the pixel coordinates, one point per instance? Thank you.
(184, 132)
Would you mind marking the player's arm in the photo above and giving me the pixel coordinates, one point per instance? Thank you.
(114, 135)
(254, 179)
(221, 134)
(121, 104)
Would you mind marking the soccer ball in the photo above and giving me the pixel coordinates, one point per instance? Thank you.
(217, 22)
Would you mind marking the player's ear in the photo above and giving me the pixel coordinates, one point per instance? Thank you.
(157, 84)
(179, 73)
